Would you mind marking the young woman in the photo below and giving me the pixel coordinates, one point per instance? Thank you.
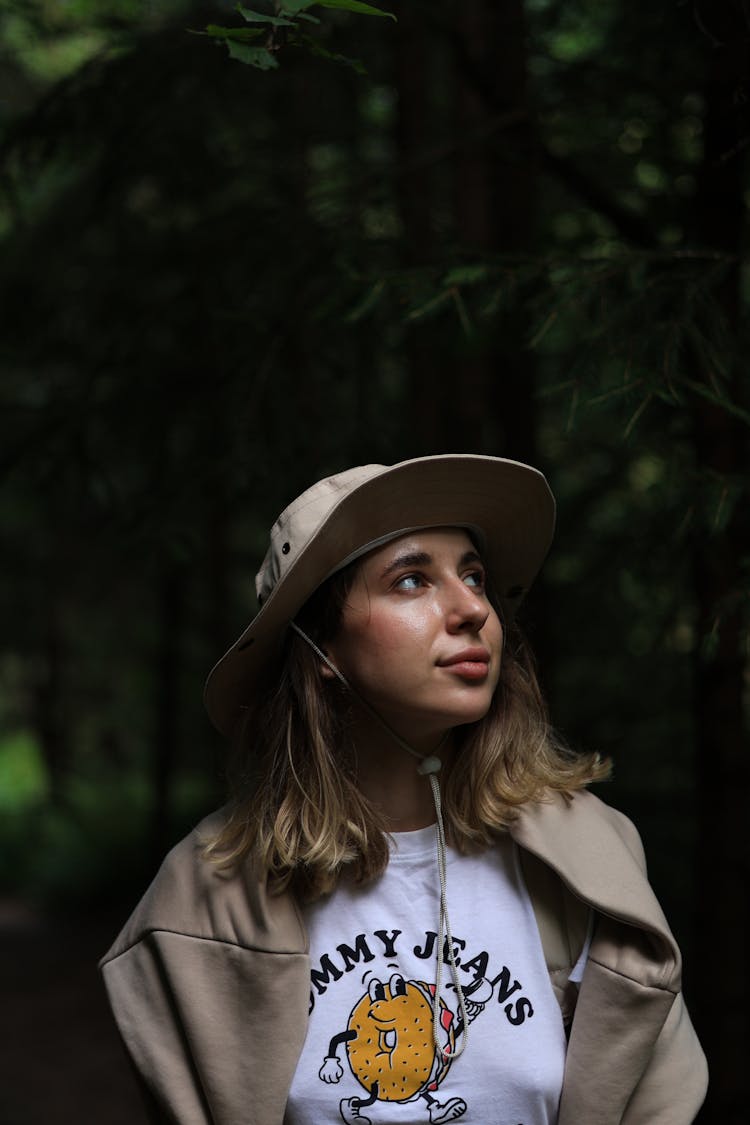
(410, 910)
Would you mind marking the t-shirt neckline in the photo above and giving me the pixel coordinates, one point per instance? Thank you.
(411, 845)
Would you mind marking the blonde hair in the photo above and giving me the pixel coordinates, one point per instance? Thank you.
(296, 807)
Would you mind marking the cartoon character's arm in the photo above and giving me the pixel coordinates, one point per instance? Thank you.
(477, 995)
(331, 1071)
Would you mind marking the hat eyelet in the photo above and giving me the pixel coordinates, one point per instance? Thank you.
(285, 548)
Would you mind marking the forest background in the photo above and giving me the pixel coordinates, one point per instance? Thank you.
(234, 262)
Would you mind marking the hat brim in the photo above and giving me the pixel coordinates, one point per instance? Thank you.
(510, 502)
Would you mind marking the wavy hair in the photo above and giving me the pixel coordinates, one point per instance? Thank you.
(295, 805)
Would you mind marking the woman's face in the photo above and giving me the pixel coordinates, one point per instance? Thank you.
(419, 639)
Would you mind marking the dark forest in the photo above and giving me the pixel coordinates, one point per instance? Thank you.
(240, 252)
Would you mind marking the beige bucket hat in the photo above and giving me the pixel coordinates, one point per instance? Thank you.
(508, 503)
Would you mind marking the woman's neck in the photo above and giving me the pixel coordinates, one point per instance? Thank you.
(388, 776)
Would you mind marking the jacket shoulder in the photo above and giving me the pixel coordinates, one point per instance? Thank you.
(595, 815)
(193, 896)
(598, 854)
(581, 835)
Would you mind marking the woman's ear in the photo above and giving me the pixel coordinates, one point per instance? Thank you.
(328, 665)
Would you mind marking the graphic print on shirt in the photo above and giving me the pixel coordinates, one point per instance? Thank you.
(387, 1038)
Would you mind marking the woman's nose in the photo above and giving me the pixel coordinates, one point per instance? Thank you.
(466, 608)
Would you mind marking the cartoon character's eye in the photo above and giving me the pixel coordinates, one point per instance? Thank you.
(375, 990)
(397, 985)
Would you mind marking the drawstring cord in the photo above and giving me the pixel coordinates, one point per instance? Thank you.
(429, 766)
(444, 928)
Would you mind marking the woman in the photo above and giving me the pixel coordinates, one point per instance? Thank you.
(410, 910)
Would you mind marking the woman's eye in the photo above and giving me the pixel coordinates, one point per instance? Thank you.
(409, 582)
(475, 579)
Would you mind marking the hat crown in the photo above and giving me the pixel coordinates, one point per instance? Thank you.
(298, 523)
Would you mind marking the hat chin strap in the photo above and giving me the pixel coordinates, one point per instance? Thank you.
(429, 765)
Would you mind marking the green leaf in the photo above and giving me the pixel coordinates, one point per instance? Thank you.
(357, 6)
(260, 17)
(636, 415)
(254, 56)
(465, 275)
(543, 328)
(463, 314)
(240, 34)
(323, 53)
(430, 306)
(724, 402)
(295, 7)
(368, 302)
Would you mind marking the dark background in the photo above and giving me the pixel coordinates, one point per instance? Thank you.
(495, 227)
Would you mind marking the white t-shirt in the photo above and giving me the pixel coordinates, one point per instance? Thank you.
(369, 1054)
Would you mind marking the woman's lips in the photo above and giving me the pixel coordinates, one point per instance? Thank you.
(470, 663)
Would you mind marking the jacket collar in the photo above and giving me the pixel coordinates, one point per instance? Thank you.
(597, 853)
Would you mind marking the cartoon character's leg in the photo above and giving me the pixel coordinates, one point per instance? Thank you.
(350, 1107)
(444, 1111)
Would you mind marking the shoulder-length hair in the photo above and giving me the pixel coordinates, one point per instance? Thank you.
(295, 807)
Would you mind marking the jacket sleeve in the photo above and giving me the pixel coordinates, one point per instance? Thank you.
(213, 1030)
(673, 1086)
(633, 1056)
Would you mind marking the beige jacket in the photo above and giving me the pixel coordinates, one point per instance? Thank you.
(209, 983)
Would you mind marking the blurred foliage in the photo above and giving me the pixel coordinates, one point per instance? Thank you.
(88, 850)
(23, 778)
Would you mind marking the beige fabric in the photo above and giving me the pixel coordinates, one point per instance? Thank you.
(563, 922)
(209, 983)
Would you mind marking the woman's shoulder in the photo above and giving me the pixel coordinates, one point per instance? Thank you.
(193, 895)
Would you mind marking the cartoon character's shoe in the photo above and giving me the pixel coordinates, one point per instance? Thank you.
(349, 1110)
(447, 1111)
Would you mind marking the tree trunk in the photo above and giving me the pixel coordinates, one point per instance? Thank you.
(495, 189)
(426, 431)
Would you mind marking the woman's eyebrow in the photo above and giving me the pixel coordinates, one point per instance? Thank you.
(408, 558)
(421, 558)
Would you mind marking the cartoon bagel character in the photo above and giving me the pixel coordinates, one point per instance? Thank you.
(390, 1048)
